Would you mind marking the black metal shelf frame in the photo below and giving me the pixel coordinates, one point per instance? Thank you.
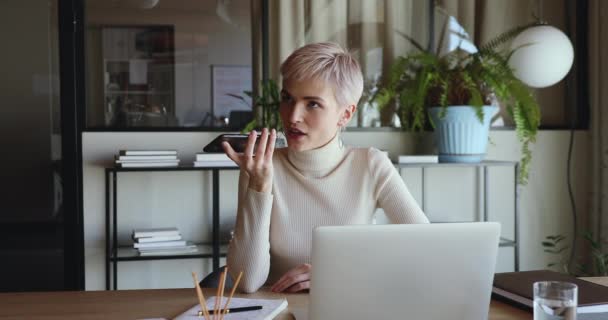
(112, 248)
(482, 170)
(205, 250)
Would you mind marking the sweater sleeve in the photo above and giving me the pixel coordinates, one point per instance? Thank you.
(249, 249)
(391, 192)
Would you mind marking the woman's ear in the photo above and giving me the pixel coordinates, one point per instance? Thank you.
(347, 114)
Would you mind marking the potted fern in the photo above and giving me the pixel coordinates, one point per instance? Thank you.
(265, 105)
(457, 93)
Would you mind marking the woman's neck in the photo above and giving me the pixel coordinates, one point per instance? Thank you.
(319, 160)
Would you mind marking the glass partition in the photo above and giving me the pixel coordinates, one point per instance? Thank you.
(167, 64)
(186, 64)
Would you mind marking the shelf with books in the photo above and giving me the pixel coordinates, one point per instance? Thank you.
(116, 253)
(483, 174)
(204, 250)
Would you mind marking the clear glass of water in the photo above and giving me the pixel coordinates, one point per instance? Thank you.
(555, 300)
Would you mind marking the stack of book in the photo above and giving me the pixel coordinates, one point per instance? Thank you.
(516, 288)
(213, 160)
(146, 158)
(161, 241)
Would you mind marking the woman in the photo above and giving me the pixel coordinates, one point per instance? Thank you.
(285, 193)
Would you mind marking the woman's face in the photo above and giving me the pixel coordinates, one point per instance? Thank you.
(310, 114)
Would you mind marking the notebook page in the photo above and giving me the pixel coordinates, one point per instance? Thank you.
(270, 309)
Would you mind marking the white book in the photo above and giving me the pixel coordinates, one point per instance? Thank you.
(147, 164)
(157, 239)
(215, 164)
(146, 161)
(270, 309)
(188, 245)
(167, 252)
(147, 152)
(145, 158)
(155, 232)
(212, 157)
(164, 244)
(418, 159)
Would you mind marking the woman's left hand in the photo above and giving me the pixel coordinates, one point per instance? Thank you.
(296, 279)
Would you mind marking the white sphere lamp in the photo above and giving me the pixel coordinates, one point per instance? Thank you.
(543, 56)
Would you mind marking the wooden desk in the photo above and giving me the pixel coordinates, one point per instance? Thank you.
(136, 304)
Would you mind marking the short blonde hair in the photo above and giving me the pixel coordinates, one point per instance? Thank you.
(329, 62)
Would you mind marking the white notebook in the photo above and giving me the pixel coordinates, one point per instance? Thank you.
(270, 309)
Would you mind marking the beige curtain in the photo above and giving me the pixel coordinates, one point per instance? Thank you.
(484, 19)
(366, 27)
(598, 53)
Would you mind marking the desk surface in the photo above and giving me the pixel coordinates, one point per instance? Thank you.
(136, 304)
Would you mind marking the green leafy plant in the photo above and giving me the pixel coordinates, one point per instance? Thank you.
(426, 79)
(598, 259)
(265, 106)
(553, 246)
(599, 266)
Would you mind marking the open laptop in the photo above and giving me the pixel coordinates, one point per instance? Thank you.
(416, 271)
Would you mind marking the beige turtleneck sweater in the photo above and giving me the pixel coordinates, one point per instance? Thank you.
(332, 185)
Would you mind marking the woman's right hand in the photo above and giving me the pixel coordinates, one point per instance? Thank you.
(259, 166)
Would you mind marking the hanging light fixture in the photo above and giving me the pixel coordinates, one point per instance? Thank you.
(234, 12)
(543, 54)
(141, 4)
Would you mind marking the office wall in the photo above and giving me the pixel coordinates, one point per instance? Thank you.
(183, 199)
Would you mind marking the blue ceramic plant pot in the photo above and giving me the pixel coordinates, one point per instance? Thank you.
(460, 136)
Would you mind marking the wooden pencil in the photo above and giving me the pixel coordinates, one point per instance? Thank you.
(217, 298)
(236, 284)
(201, 297)
(222, 287)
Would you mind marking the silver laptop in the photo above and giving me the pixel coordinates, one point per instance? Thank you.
(422, 271)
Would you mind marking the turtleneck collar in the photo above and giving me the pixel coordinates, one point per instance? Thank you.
(320, 160)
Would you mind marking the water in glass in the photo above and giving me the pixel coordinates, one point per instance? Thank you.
(549, 309)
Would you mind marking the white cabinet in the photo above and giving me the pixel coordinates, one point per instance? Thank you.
(139, 76)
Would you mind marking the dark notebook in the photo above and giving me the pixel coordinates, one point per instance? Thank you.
(516, 288)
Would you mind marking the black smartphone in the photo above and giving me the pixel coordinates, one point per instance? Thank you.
(237, 141)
